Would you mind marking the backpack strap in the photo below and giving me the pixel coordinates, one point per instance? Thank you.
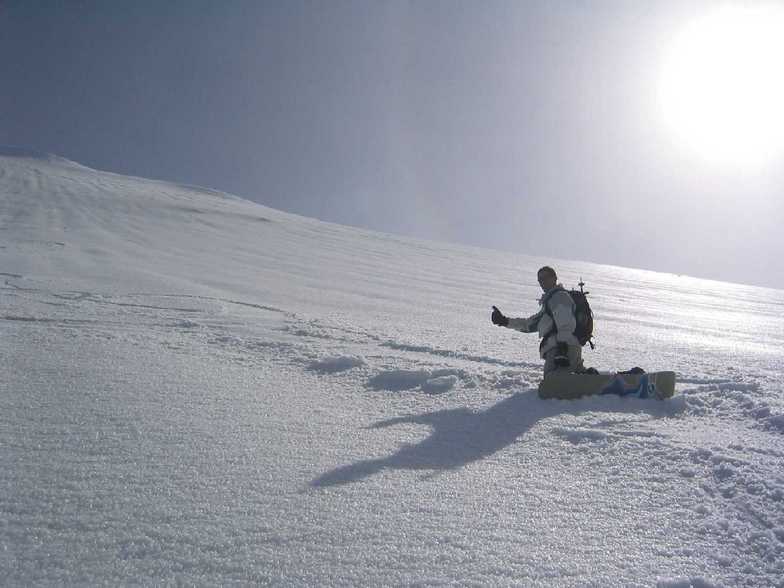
(548, 312)
(546, 300)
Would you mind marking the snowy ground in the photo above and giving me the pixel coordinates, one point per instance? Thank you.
(199, 389)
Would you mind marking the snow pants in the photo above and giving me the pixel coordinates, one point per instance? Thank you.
(575, 360)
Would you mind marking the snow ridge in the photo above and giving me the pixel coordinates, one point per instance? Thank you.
(48, 158)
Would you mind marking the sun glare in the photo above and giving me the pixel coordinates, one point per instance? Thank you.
(722, 85)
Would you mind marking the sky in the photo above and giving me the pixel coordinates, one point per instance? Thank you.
(530, 127)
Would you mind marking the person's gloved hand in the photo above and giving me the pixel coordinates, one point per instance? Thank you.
(498, 318)
(561, 355)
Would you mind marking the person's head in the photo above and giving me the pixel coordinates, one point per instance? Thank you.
(547, 278)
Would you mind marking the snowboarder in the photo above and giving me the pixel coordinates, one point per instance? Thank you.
(555, 322)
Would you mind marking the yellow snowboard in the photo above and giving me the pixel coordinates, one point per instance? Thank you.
(568, 385)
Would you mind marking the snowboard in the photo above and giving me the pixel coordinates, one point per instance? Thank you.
(568, 385)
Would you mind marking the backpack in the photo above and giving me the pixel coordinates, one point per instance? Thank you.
(582, 314)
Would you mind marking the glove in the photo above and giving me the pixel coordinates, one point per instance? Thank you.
(498, 318)
(561, 355)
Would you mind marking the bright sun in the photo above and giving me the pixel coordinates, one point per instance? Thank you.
(722, 85)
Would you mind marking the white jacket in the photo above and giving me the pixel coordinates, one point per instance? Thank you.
(559, 329)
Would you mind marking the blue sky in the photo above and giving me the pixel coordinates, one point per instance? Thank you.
(524, 126)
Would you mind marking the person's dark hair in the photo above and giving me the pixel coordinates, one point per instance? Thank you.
(547, 270)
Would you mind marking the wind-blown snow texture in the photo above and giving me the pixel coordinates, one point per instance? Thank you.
(199, 389)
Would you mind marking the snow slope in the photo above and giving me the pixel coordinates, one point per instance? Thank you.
(199, 389)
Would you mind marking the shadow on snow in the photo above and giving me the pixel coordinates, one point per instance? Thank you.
(461, 436)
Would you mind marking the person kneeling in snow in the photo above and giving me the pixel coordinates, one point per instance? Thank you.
(555, 322)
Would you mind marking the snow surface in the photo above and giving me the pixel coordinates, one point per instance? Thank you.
(202, 390)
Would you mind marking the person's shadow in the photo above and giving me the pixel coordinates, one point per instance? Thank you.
(459, 436)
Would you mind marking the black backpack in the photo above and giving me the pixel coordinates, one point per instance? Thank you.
(582, 314)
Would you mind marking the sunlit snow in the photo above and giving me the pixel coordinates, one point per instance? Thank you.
(201, 390)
